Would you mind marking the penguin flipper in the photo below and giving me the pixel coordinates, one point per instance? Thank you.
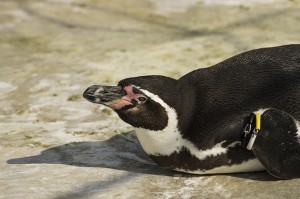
(277, 145)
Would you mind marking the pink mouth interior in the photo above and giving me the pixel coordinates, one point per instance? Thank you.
(125, 100)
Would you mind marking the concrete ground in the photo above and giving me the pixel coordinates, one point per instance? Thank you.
(54, 144)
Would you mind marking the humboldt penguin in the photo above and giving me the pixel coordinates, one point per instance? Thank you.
(196, 124)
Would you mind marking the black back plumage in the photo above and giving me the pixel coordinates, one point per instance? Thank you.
(230, 90)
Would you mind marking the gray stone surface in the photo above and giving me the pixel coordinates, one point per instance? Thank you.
(54, 144)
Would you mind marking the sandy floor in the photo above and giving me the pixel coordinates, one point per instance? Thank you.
(54, 144)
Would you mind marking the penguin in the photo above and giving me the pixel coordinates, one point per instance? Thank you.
(193, 124)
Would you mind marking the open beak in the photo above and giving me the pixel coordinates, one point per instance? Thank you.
(104, 94)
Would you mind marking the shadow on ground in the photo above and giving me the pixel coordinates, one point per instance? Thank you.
(121, 152)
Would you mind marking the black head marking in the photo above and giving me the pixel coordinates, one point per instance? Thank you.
(152, 115)
(148, 113)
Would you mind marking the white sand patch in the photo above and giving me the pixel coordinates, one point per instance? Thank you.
(42, 84)
(79, 10)
(72, 113)
(20, 15)
(62, 75)
(168, 7)
(6, 87)
(189, 189)
(239, 2)
(57, 131)
(194, 181)
(4, 26)
(220, 190)
(66, 2)
(191, 185)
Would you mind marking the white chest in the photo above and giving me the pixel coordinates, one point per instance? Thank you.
(158, 143)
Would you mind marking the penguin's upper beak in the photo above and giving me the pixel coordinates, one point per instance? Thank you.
(104, 94)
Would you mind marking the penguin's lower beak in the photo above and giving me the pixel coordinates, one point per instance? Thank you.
(104, 94)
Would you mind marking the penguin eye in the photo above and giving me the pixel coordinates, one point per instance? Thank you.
(142, 99)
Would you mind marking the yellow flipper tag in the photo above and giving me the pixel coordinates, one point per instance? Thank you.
(255, 131)
(257, 127)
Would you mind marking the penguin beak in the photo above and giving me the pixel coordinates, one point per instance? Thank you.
(104, 94)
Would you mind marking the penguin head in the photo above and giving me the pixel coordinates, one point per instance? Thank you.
(139, 101)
